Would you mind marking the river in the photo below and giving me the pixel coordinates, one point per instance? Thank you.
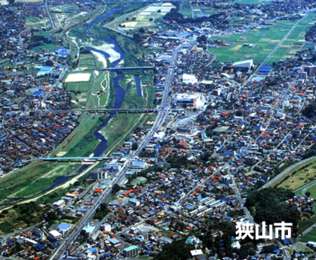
(119, 92)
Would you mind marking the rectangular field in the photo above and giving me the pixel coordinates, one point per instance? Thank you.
(142, 18)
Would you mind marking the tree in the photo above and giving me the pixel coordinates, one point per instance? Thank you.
(115, 188)
(217, 237)
(202, 39)
(83, 237)
(142, 30)
(138, 38)
(134, 146)
(102, 211)
(177, 250)
(309, 111)
(270, 205)
(176, 161)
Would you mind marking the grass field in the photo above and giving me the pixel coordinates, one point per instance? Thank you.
(188, 10)
(31, 180)
(91, 94)
(310, 236)
(123, 124)
(185, 8)
(35, 22)
(300, 178)
(264, 40)
(300, 182)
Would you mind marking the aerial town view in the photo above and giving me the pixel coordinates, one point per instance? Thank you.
(157, 129)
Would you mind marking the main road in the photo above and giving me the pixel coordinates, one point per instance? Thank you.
(160, 119)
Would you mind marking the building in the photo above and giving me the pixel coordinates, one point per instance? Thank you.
(138, 164)
(243, 66)
(189, 79)
(131, 251)
(190, 100)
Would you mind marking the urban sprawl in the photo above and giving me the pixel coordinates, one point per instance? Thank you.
(128, 131)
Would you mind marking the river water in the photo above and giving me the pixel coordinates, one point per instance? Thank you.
(119, 92)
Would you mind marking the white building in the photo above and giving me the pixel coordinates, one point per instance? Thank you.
(190, 100)
(189, 79)
(245, 65)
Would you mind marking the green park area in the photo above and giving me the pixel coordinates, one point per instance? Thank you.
(276, 41)
(301, 178)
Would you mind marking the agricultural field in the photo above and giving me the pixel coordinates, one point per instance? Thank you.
(69, 14)
(142, 18)
(190, 11)
(47, 43)
(34, 22)
(282, 39)
(185, 8)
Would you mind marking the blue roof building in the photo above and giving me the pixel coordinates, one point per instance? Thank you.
(265, 69)
(62, 53)
(44, 70)
(63, 227)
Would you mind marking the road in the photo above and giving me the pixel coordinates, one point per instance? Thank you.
(248, 215)
(160, 119)
(51, 20)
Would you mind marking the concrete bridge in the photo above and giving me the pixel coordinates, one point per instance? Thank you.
(128, 68)
(106, 110)
(70, 159)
